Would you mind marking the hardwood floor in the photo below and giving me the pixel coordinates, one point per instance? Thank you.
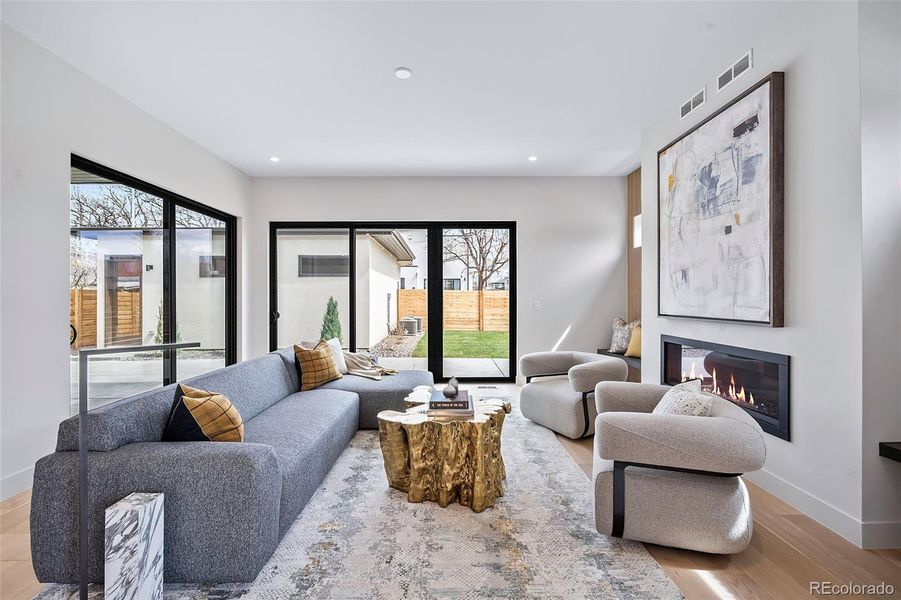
(17, 579)
(788, 550)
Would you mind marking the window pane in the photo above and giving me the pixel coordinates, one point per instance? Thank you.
(312, 306)
(115, 285)
(476, 302)
(391, 303)
(200, 291)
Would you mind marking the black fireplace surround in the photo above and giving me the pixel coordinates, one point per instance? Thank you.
(754, 380)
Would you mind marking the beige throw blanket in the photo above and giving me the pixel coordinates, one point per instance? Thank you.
(361, 365)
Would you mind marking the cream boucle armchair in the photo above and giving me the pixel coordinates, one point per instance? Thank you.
(673, 480)
(558, 385)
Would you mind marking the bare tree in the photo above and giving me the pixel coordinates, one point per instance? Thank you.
(82, 265)
(484, 251)
(113, 206)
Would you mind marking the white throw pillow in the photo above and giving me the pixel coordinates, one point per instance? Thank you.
(685, 399)
(338, 353)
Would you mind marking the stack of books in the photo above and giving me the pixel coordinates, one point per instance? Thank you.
(460, 405)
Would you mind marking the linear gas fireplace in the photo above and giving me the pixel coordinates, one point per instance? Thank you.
(754, 380)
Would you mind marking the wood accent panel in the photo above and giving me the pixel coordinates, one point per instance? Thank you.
(633, 208)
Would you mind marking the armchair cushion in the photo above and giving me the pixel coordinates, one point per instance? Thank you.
(719, 444)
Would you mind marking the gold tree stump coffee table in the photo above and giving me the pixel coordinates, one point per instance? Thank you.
(445, 459)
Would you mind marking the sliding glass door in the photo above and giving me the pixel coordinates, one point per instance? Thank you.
(369, 284)
(146, 267)
(476, 302)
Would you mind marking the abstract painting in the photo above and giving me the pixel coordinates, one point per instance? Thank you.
(720, 204)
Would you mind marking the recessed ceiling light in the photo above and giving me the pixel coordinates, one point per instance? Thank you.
(274, 159)
(533, 158)
(403, 73)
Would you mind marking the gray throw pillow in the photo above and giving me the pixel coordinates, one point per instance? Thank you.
(622, 333)
(685, 399)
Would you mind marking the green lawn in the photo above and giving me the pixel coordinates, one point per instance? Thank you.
(469, 344)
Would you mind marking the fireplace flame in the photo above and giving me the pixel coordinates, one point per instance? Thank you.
(732, 391)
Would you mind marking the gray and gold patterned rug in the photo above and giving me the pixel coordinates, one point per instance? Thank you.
(359, 539)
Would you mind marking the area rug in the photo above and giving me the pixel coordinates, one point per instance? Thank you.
(358, 539)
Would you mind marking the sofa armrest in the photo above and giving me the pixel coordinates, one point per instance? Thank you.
(221, 506)
(621, 396)
(586, 376)
(716, 444)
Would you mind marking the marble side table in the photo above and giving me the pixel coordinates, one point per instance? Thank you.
(134, 548)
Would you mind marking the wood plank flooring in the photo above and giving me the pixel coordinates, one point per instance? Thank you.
(787, 551)
(17, 580)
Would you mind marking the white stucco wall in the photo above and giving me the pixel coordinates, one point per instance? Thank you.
(302, 300)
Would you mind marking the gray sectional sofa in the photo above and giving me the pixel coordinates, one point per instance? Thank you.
(227, 505)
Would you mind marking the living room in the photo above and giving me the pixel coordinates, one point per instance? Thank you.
(318, 217)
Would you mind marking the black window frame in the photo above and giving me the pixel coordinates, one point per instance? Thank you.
(456, 285)
(436, 231)
(170, 201)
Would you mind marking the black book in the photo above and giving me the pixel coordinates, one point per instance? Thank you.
(459, 402)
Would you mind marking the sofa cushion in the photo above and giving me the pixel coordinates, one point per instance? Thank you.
(385, 394)
(307, 431)
(252, 386)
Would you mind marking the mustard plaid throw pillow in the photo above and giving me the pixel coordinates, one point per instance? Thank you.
(201, 416)
(317, 366)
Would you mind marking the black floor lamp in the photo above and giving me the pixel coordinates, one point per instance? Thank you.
(83, 356)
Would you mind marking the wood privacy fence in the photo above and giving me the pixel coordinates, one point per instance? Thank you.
(83, 316)
(487, 310)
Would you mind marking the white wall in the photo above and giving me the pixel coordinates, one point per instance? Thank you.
(571, 241)
(372, 300)
(49, 110)
(880, 132)
(816, 45)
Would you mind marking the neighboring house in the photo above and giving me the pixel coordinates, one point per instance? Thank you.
(314, 266)
(456, 275)
(129, 282)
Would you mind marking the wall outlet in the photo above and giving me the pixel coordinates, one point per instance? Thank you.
(536, 304)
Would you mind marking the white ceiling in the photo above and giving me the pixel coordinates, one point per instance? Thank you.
(494, 82)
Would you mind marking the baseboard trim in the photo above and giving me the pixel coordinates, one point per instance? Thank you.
(881, 534)
(820, 511)
(16, 483)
